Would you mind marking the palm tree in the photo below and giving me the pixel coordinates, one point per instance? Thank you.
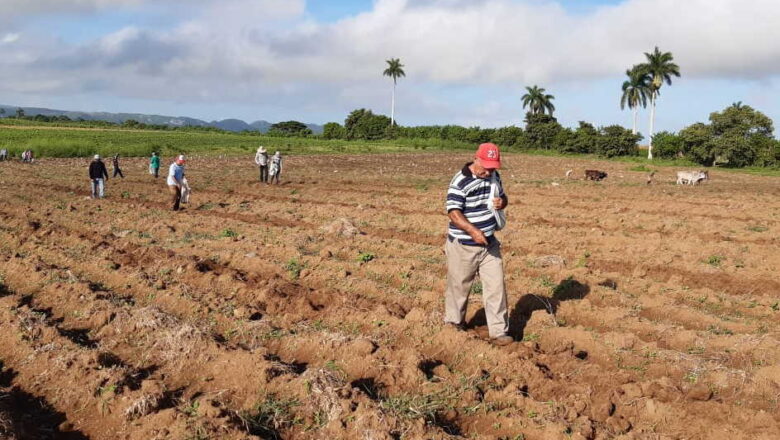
(537, 102)
(660, 68)
(635, 91)
(394, 70)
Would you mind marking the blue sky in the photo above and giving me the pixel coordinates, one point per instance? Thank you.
(329, 11)
(467, 61)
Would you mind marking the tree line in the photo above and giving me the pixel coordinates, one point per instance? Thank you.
(737, 136)
(542, 132)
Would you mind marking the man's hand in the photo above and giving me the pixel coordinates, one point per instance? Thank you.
(498, 203)
(479, 237)
(458, 219)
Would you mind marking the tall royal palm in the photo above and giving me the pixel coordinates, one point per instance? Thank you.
(660, 68)
(537, 102)
(636, 89)
(394, 70)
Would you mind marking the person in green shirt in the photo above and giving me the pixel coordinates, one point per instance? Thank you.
(154, 165)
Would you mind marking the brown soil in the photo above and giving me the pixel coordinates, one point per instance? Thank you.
(313, 309)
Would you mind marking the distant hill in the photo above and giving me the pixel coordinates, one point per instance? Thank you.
(235, 125)
(231, 125)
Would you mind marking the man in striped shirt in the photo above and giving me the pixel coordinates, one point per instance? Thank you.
(472, 247)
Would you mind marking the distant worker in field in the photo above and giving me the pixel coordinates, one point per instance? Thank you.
(261, 159)
(475, 203)
(98, 174)
(154, 165)
(276, 167)
(117, 170)
(3, 155)
(176, 180)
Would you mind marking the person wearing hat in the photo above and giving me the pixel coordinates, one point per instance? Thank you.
(276, 167)
(97, 174)
(154, 165)
(474, 199)
(176, 180)
(261, 159)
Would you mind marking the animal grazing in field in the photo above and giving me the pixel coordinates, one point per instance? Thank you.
(595, 175)
(692, 177)
(650, 177)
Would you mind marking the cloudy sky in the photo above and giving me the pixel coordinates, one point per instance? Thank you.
(466, 61)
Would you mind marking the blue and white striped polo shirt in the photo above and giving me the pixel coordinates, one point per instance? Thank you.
(470, 194)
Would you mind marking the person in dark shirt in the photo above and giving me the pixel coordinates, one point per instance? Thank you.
(98, 175)
(154, 165)
(117, 170)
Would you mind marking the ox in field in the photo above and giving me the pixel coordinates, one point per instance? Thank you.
(692, 177)
(595, 175)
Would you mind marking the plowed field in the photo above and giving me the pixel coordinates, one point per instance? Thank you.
(313, 309)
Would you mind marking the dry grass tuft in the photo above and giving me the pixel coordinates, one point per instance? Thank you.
(31, 324)
(326, 387)
(152, 318)
(146, 404)
(177, 343)
(168, 338)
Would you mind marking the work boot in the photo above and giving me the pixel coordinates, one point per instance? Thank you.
(502, 340)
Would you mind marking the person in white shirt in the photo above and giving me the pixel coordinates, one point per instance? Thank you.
(176, 180)
(276, 167)
(261, 159)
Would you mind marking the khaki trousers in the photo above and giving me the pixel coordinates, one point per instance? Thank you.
(463, 264)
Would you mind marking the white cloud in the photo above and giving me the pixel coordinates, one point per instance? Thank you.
(502, 41)
(25, 7)
(9, 38)
(269, 50)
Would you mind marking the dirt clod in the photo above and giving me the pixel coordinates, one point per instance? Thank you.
(700, 392)
(550, 261)
(342, 227)
(618, 424)
(362, 347)
(602, 411)
(326, 253)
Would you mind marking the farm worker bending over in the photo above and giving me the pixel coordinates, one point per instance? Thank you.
(474, 199)
(276, 167)
(154, 165)
(261, 159)
(97, 172)
(176, 180)
(117, 171)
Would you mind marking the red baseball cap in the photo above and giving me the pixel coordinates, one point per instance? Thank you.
(489, 156)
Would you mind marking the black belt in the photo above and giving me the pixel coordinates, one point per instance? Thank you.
(490, 239)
